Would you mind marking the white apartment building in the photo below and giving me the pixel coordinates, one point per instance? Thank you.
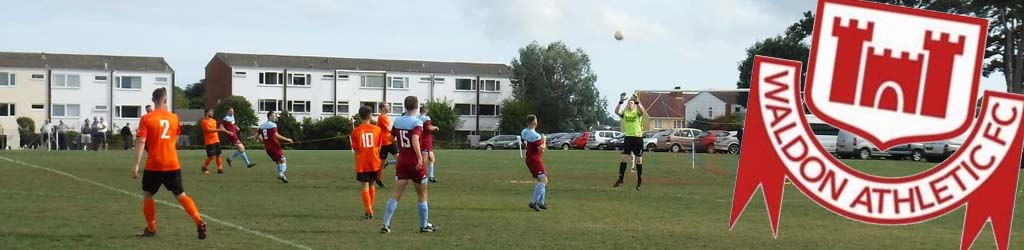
(316, 87)
(72, 88)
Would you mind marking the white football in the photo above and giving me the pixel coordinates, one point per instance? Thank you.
(619, 35)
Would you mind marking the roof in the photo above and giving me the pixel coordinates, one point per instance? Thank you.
(665, 104)
(77, 61)
(336, 63)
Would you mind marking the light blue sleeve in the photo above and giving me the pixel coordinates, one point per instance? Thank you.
(530, 135)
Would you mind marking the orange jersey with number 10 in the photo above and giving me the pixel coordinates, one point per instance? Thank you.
(160, 129)
(366, 141)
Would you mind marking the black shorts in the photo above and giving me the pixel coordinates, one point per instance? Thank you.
(213, 150)
(388, 149)
(633, 145)
(367, 176)
(151, 181)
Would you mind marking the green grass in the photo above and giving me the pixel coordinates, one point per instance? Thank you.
(480, 203)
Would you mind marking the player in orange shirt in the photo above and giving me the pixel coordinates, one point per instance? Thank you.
(212, 141)
(366, 141)
(158, 133)
(387, 147)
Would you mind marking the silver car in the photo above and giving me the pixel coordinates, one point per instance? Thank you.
(727, 142)
(849, 145)
(499, 142)
(600, 139)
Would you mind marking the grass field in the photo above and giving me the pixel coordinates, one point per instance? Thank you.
(480, 203)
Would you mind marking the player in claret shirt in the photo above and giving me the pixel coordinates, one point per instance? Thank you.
(407, 131)
(366, 141)
(272, 143)
(158, 134)
(427, 142)
(535, 146)
(228, 124)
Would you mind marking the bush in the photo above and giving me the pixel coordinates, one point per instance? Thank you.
(287, 126)
(513, 118)
(329, 127)
(442, 114)
(26, 131)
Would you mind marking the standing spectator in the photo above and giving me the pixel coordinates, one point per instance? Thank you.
(149, 108)
(86, 134)
(62, 135)
(103, 134)
(126, 136)
(46, 131)
(95, 133)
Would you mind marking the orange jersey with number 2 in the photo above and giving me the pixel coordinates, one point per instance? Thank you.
(160, 129)
(366, 141)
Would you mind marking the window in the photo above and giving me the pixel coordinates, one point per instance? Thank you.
(128, 111)
(464, 109)
(271, 78)
(99, 79)
(489, 110)
(6, 79)
(465, 84)
(99, 108)
(298, 106)
(397, 108)
(300, 79)
(240, 74)
(64, 110)
(371, 81)
(823, 129)
(490, 85)
(161, 80)
(678, 124)
(342, 77)
(38, 106)
(329, 106)
(437, 80)
(657, 123)
(398, 82)
(6, 109)
(38, 76)
(736, 109)
(328, 77)
(373, 106)
(267, 105)
(128, 82)
(66, 81)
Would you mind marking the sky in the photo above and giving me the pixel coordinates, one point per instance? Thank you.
(691, 44)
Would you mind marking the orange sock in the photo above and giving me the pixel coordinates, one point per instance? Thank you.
(373, 194)
(149, 209)
(207, 162)
(220, 163)
(367, 201)
(190, 208)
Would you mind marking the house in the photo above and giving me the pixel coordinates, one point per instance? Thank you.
(317, 87)
(74, 87)
(665, 109)
(712, 104)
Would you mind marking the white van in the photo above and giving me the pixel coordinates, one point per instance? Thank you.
(827, 135)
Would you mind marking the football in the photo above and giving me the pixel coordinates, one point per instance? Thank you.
(619, 35)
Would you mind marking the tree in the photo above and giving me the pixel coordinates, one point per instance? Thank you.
(336, 127)
(196, 94)
(791, 45)
(288, 127)
(513, 117)
(442, 114)
(244, 115)
(180, 100)
(561, 81)
(26, 130)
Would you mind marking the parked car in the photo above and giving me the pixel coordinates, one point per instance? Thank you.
(677, 139)
(728, 142)
(849, 145)
(500, 142)
(599, 139)
(561, 140)
(705, 141)
(580, 142)
(651, 139)
(617, 143)
(939, 151)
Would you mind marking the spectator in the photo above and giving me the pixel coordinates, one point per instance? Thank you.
(46, 131)
(95, 133)
(86, 134)
(103, 134)
(126, 136)
(149, 108)
(62, 135)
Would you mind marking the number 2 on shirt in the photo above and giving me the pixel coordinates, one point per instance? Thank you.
(164, 126)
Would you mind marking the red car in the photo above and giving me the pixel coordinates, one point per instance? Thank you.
(705, 142)
(581, 142)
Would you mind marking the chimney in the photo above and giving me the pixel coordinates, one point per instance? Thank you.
(43, 56)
